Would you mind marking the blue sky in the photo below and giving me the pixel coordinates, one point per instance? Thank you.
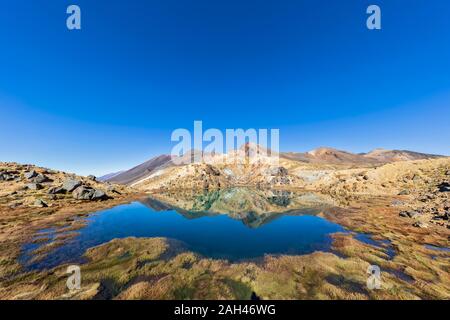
(107, 97)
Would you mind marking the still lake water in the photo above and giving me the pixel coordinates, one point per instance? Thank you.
(209, 234)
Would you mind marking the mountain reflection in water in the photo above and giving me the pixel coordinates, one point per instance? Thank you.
(233, 224)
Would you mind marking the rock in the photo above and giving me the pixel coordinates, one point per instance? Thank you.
(397, 203)
(413, 214)
(40, 203)
(92, 177)
(15, 205)
(52, 196)
(112, 189)
(34, 186)
(444, 187)
(416, 177)
(8, 176)
(419, 224)
(87, 193)
(83, 193)
(211, 170)
(99, 195)
(403, 214)
(403, 192)
(56, 190)
(71, 184)
(409, 214)
(30, 175)
(278, 171)
(40, 178)
(448, 173)
(366, 177)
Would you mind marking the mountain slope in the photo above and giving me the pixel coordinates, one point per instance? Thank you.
(108, 176)
(141, 171)
(333, 156)
(234, 169)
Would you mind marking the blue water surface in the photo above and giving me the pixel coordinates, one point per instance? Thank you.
(215, 236)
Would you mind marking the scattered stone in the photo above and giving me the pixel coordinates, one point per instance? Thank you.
(83, 193)
(71, 184)
(15, 205)
(403, 214)
(30, 175)
(420, 224)
(444, 187)
(397, 203)
(8, 176)
(98, 195)
(403, 192)
(112, 189)
(34, 186)
(56, 190)
(409, 214)
(41, 178)
(212, 171)
(40, 203)
(413, 214)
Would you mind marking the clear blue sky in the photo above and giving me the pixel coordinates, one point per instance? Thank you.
(107, 97)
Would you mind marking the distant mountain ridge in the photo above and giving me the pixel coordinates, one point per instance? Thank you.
(326, 155)
(320, 156)
(141, 171)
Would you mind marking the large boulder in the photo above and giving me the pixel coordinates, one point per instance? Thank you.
(8, 176)
(34, 186)
(87, 193)
(31, 174)
(83, 193)
(71, 184)
(40, 178)
(56, 190)
(99, 195)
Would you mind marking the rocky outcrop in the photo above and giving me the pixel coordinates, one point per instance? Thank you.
(23, 185)
(87, 193)
(71, 184)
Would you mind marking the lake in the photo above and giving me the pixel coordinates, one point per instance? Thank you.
(232, 224)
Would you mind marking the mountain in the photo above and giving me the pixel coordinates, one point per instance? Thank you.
(383, 155)
(141, 171)
(164, 172)
(325, 155)
(108, 176)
